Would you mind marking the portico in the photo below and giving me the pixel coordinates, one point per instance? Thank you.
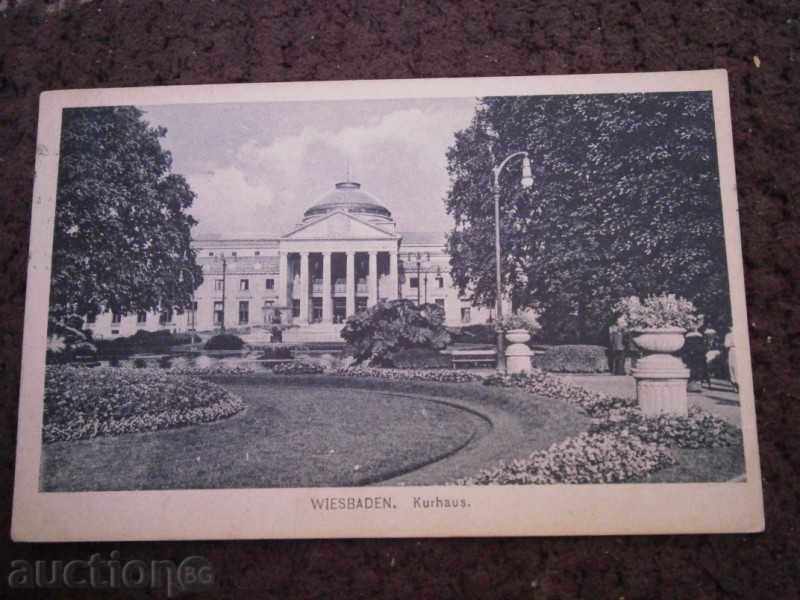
(328, 281)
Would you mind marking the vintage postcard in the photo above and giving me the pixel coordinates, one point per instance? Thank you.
(447, 307)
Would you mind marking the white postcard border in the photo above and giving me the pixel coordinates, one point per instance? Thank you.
(287, 513)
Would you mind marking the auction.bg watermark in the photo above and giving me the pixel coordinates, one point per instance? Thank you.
(192, 574)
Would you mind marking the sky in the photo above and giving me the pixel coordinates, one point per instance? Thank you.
(256, 167)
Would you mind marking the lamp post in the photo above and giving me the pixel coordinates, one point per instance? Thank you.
(526, 181)
(224, 273)
(193, 328)
(419, 282)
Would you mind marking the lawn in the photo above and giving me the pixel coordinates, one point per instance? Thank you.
(330, 430)
(299, 431)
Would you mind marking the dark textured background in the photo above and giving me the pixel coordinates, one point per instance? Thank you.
(105, 44)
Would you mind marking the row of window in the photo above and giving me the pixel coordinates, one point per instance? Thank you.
(165, 317)
(234, 254)
(316, 310)
(410, 256)
(413, 282)
(244, 285)
(269, 284)
(244, 313)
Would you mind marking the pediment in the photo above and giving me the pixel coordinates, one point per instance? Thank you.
(339, 226)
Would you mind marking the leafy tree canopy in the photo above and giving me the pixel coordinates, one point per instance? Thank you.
(625, 202)
(393, 325)
(122, 234)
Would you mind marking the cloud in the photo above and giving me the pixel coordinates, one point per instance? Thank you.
(398, 156)
(227, 202)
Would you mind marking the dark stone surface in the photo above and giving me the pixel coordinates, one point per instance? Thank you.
(157, 43)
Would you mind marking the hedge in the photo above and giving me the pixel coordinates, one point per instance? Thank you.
(225, 341)
(145, 341)
(573, 359)
(420, 358)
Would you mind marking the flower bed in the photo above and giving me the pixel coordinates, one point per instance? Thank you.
(586, 458)
(83, 403)
(298, 368)
(697, 430)
(593, 404)
(213, 370)
(438, 375)
(621, 444)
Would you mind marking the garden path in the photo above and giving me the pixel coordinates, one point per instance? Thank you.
(720, 400)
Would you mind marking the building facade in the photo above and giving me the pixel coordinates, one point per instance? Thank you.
(344, 256)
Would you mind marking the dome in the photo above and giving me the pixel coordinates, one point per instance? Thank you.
(349, 197)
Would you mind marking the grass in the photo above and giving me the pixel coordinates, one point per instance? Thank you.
(703, 464)
(325, 430)
(300, 431)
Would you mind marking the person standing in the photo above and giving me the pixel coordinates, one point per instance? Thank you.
(694, 354)
(616, 343)
(730, 346)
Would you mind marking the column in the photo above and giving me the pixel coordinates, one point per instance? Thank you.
(283, 278)
(327, 300)
(351, 283)
(394, 291)
(304, 288)
(372, 285)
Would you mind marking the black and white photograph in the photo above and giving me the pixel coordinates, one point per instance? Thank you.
(516, 289)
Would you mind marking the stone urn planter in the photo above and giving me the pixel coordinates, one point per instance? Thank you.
(660, 376)
(518, 355)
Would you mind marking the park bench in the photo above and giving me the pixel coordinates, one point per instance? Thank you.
(473, 357)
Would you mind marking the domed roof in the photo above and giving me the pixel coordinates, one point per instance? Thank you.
(348, 196)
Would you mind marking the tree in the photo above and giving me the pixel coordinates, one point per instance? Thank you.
(122, 235)
(625, 202)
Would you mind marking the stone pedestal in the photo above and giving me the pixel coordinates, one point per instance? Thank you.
(518, 355)
(661, 385)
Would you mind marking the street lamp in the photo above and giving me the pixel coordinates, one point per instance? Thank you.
(526, 181)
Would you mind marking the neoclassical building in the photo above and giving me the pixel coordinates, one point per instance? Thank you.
(345, 255)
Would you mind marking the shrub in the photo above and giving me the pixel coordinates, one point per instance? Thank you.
(145, 341)
(139, 363)
(276, 352)
(82, 403)
(389, 326)
(66, 342)
(665, 310)
(474, 334)
(419, 358)
(586, 458)
(573, 359)
(699, 429)
(298, 368)
(225, 341)
(437, 375)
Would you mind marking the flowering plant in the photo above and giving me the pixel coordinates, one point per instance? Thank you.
(84, 403)
(585, 458)
(656, 312)
(297, 368)
(519, 321)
